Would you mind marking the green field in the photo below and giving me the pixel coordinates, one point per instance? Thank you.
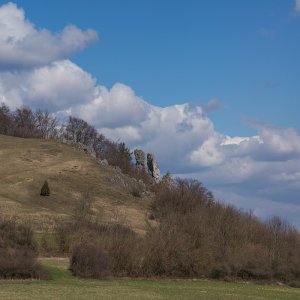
(64, 286)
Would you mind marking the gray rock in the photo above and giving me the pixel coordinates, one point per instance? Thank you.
(140, 160)
(81, 147)
(153, 167)
(103, 162)
(86, 149)
(118, 169)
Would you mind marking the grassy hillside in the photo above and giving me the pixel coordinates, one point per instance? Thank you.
(26, 163)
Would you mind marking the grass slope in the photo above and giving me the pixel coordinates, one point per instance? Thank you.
(26, 163)
(65, 286)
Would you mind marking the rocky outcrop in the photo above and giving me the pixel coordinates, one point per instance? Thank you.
(103, 162)
(89, 150)
(136, 187)
(140, 160)
(153, 167)
(81, 147)
(149, 166)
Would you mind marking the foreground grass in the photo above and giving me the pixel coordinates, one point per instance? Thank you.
(65, 286)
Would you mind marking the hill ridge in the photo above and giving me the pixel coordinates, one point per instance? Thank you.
(26, 163)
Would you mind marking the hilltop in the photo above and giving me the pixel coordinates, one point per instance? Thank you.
(72, 175)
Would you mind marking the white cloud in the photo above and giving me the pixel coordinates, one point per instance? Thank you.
(182, 136)
(119, 102)
(297, 6)
(265, 166)
(208, 154)
(254, 172)
(57, 86)
(23, 46)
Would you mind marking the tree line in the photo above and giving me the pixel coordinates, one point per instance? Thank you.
(25, 123)
(193, 236)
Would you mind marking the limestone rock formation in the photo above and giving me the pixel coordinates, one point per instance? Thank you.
(81, 147)
(89, 150)
(140, 159)
(153, 167)
(103, 162)
(149, 166)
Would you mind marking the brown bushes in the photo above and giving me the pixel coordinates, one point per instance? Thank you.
(195, 236)
(18, 255)
(118, 243)
(90, 261)
(221, 240)
(114, 245)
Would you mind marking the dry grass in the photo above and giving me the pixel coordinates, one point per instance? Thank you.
(26, 163)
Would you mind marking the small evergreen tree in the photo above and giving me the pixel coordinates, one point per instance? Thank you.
(125, 152)
(45, 191)
(124, 158)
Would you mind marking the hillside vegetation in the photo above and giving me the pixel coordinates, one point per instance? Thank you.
(96, 210)
(72, 176)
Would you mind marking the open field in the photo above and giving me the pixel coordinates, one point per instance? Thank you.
(26, 163)
(65, 286)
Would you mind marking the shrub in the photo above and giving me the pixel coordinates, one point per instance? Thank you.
(192, 236)
(45, 190)
(90, 261)
(18, 254)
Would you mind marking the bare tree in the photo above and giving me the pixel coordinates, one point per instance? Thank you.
(80, 131)
(6, 121)
(46, 124)
(25, 123)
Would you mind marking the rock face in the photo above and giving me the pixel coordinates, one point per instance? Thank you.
(149, 166)
(153, 167)
(81, 147)
(140, 159)
(89, 150)
(103, 162)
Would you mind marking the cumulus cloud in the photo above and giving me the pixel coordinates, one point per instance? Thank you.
(23, 46)
(119, 102)
(265, 166)
(259, 172)
(57, 87)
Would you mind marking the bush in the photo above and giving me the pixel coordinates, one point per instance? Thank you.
(45, 190)
(18, 254)
(193, 236)
(90, 261)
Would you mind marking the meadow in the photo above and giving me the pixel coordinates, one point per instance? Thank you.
(65, 286)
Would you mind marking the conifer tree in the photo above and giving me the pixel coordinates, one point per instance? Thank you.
(45, 191)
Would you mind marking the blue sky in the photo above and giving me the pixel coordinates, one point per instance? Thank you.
(211, 87)
(245, 53)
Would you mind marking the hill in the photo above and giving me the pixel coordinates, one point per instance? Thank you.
(72, 175)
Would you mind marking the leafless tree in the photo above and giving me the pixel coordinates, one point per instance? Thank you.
(80, 131)
(25, 123)
(6, 121)
(46, 124)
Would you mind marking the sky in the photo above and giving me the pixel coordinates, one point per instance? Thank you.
(211, 87)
